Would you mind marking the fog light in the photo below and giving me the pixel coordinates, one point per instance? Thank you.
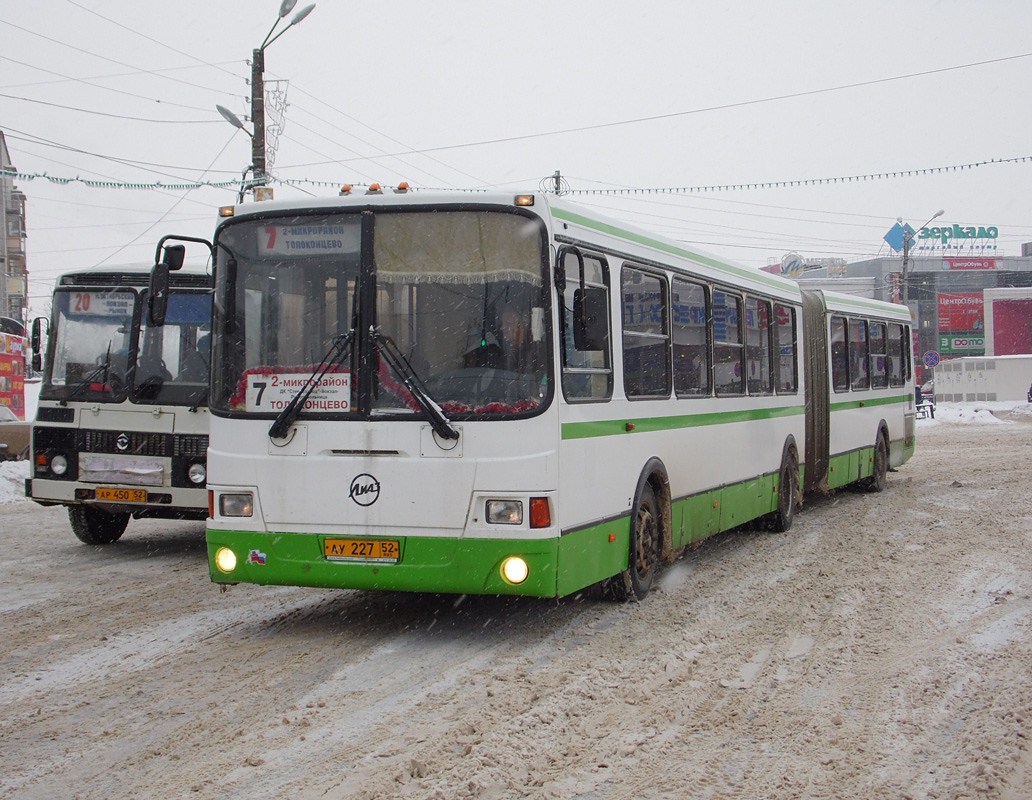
(236, 505)
(515, 570)
(505, 512)
(225, 560)
(59, 465)
(197, 474)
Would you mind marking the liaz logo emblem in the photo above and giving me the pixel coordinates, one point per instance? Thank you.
(365, 489)
(122, 442)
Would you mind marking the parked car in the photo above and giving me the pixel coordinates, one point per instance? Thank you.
(14, 436)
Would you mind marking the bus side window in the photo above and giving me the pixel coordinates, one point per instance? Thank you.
(586, 350)
(689, 312)
(646, 354)
(785, 338)
(839, 355)
(879, 373)
(859, 377)
(728, 369)
(894, 354)
(758, 347)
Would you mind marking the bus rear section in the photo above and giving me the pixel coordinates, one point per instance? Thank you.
(121, 430)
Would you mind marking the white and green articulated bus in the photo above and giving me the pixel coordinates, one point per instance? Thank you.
(121, 430)
(499, 394)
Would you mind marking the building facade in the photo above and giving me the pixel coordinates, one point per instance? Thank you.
(14, 289)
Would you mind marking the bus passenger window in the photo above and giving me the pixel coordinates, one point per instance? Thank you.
(859, 377)
(728, 372)
(879, 373)
(757, 344)
(645, 340)
(689, 313)
(839, 356)
(894, 354)
(785, 338)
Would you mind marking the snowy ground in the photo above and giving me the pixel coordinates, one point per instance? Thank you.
(880, 649)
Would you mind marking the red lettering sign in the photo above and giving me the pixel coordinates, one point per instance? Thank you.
(961, 311)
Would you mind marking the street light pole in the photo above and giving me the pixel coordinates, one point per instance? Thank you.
(908, 237)
(259, 163)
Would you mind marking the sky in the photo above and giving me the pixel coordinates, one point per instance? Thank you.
(658, 94)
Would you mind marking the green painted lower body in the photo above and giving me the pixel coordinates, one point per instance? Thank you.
(429, 564)
(558, 566)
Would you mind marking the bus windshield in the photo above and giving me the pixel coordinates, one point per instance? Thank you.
(98, 355)
(458, 295)
(91, 342)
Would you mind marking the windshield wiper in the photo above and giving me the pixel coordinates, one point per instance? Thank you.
(101, 370)
(337, 352)
(392, 355)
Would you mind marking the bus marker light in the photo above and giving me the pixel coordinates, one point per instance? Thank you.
(630, 426)
(540, 517)
(524, 200)
(515, 570)
(612, 537)
(504, 512)
(225, 560)
(226, 211)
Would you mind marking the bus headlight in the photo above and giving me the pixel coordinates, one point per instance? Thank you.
(504, 512)
(515, 570)
(225, 560)
(59, 465)
(236, 505)
(197, 474)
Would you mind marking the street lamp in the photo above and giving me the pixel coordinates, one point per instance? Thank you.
(258, 97)
(908, 237)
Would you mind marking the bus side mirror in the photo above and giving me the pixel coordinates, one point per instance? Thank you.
(157, 300)
(590, 319)
(36, 338)
(175, 255)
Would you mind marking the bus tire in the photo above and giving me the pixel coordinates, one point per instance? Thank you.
(636, 581)
(780, 520)
(877, 481)
(94, 526)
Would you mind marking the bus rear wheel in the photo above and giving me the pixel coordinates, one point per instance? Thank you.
(646, 548)
(877, 481)
(780, 520)
(94, 526)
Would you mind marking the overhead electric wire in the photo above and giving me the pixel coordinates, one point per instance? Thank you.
(114, 116)
(151, 39)
(707, 109)
(114, 61)
(105, 88)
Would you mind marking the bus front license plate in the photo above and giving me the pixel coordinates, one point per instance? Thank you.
(112, 495)
(381, 550)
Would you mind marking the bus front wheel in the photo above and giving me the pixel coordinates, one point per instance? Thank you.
(94, 526)
(646, 548)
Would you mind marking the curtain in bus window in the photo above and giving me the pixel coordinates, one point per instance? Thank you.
(458, 247)
(894, 354)
(757, 346)
(859, 377)
(784, 327)
(688, 315)
(728, 374)
(839, 355)
(879, 371)
(643, 305)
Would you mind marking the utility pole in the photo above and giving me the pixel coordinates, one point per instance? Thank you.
(258, 115)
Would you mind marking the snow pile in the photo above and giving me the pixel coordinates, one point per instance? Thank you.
(12, 480)
(988, 413)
